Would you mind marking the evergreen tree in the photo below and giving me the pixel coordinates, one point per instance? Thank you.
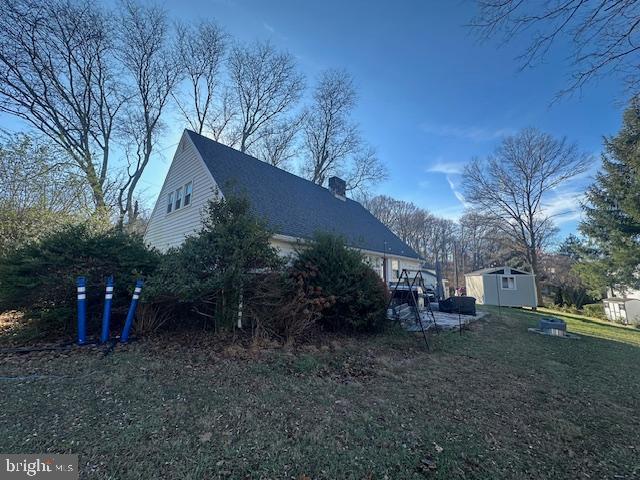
(208, 271)
(612, 210)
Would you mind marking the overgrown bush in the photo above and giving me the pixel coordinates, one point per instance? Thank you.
(40, 278)
(338, 272)
(595, 310)
(209, 270)
(286, 305)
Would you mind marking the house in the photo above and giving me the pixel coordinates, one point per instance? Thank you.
(623, 310)
(502, 286)
(293, 208)
(623, 306)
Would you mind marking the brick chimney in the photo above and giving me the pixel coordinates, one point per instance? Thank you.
(338, 187)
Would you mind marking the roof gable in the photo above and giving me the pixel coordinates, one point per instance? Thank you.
(294, 206)
(498, 271)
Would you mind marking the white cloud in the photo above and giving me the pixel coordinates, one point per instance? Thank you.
(458, 194)
(475, 133)
(448, 168)
(564, 207)
(268, 27)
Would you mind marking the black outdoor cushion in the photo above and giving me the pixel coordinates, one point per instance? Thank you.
(462, 305)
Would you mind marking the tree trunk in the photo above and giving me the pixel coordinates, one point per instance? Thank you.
(439, 289)
(534, 268)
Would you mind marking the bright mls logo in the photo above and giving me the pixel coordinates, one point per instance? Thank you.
(45, 466)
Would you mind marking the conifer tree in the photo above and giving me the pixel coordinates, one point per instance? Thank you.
(612, 210)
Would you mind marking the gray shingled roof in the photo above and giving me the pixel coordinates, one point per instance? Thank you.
(292, 205)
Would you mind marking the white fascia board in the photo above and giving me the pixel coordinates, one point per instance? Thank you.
(302, 241)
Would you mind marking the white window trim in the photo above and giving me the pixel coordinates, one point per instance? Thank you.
(174, 197)
(395, 272)
(179, 198)
(171, 199)
(184, 195)
(515, 285)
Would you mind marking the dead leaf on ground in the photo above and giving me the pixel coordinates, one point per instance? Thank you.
(427, 465)
(205, 437)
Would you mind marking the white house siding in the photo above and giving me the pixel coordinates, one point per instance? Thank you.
(628, 293)
(622, 310)
(166, 230)
(287, 246)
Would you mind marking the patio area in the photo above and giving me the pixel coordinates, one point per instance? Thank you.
(444, 320)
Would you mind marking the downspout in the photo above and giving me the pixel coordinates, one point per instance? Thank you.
(384, 264)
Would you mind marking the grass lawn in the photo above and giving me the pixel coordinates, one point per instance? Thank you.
(497, 402)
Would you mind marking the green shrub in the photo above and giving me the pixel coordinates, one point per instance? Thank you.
(209, 270)
(595, 310)
(40, 278)
(359, 296)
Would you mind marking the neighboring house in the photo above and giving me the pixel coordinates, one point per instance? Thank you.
(623, 307)
(626, 293)
(293, 208)
(503, 286)
(622, 310)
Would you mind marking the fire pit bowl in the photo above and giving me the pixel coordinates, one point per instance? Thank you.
(553, 326)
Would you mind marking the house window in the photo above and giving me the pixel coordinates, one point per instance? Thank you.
(170, 202)
(178, 198)
(508, 283)
(188, 189)
(395, 268)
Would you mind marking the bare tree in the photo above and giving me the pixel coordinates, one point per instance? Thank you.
(201, 52)
(279, 145)
(330, 135)
(477, 236)
(514, 182)
(147, 55)
(439, 235)
(382, 207)
(57, 74)
(40, 189)
(366, 170)
(397, 215)
(432, 237)
(219, 123)
(332, 141)
(267, 85)
(604, 33)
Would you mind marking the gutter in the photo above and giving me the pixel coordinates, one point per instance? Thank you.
(290, 239)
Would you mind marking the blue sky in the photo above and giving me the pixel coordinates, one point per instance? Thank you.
(430, 96)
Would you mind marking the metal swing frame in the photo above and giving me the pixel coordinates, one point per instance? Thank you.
(414, 303)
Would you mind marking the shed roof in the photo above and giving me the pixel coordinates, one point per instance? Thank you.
(497, 270)
(294, 206)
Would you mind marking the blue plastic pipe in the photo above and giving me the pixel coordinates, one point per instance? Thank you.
(106, 315)
(124, 338)
(82, 310)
